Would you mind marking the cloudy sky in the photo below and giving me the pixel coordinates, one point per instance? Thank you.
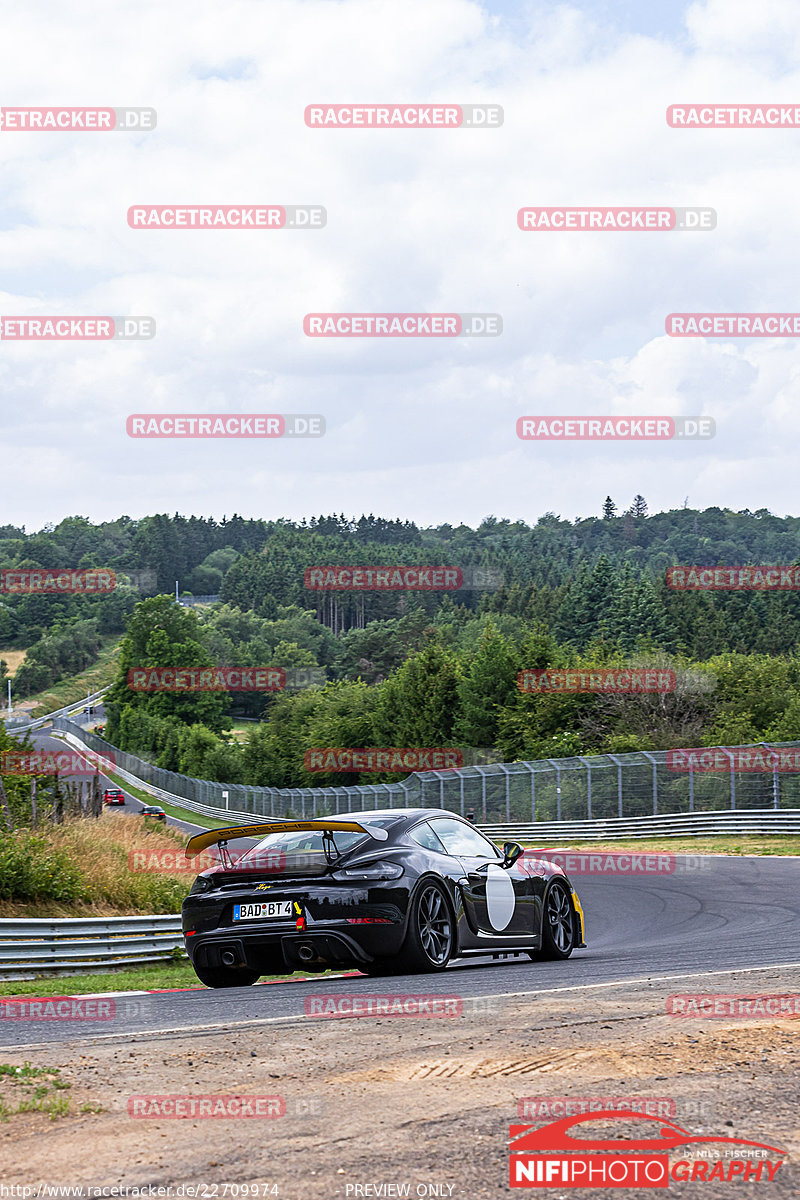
(418, 221)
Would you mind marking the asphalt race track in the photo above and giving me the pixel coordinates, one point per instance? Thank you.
(711, 914)
(54, 745)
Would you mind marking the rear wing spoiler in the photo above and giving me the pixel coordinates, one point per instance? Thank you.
(213, 836)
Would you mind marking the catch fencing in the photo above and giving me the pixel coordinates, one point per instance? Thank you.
(590, 788)
(34, 946)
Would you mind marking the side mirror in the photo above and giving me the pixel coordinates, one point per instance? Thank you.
(511, 852)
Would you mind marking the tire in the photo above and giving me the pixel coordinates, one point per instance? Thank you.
(558, 925)
(430, 937)
(226, 977)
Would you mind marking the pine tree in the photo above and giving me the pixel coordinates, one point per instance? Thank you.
(639, 507)
(488, 684)
(609, 509)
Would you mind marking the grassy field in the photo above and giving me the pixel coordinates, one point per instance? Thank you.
(13, 659)
(77, 687)
(731, 844)
(242, 730)
(97, 855)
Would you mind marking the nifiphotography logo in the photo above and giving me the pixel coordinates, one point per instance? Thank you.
(576, 1152)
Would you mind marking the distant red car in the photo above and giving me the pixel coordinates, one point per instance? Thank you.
(113, 796)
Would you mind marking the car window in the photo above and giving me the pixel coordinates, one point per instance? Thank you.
(459, 838)
(424, 836)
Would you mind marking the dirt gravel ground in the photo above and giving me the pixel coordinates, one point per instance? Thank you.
(423, 1102)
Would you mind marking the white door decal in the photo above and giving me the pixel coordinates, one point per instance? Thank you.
(499, 897)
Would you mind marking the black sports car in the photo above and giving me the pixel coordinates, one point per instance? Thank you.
(391, 891)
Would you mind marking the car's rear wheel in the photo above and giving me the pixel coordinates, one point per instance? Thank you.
(226, 977)
(430, 938)
(558, 927)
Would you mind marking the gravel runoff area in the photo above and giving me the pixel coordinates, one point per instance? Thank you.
(374, 1106)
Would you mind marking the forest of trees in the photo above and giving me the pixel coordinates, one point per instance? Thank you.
(422, 668)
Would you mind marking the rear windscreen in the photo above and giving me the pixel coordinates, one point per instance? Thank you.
(301, 852)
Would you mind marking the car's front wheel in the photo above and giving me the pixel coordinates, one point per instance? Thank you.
(226, 977)
(430, 938)
(558, 926)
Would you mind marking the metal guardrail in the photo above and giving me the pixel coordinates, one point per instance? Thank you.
(23, 725)
(755, 821)
(30, 947)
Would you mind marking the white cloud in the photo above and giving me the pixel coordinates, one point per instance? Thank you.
(417, 221)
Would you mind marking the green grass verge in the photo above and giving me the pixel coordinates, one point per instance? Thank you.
(729, 844)
(155, 975)
(180, 814)
(149, 978)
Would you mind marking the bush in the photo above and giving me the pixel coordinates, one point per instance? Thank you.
(31, 869)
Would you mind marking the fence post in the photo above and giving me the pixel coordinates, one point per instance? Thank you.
(733, 777)
(588, 766)
(529, 766)
(776, 793)
(461, 781)
(554, 763)
(505, 771)
(655, 782)
(691, 789)
(614, 759)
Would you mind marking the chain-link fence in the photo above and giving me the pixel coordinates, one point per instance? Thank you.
(555, 789)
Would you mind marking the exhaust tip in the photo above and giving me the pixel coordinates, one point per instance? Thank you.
(306, 953)
(228, 958)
